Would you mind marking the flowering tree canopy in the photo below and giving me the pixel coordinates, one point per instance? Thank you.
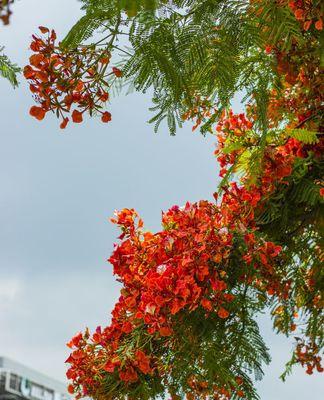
(185, 322)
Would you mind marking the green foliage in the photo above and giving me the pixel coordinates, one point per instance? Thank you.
(296, 205)
(8, 70)
(184, 50)
(303, 135)
(280, 23)
(85, 28)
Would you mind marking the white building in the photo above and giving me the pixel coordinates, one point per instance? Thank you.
(18, 382)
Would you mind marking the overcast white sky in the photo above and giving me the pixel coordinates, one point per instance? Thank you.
(58, 191)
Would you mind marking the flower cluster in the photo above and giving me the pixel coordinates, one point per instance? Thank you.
(199, 110)
(229, 128)
(235, 133)
(5, 11)
(302, 99)
(307, 14)
(307, 356)
(182, 267)
(176, 268)
(219, 393)
(68, 82)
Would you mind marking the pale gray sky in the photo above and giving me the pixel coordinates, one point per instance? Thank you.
(58, 191)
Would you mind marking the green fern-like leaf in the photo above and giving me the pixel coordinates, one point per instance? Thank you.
(304, 135)
(9, 70)
(85, 28)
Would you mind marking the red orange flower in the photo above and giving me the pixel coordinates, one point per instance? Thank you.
(37, 112)
(106, 117)
(77, 116)
(62, 79)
